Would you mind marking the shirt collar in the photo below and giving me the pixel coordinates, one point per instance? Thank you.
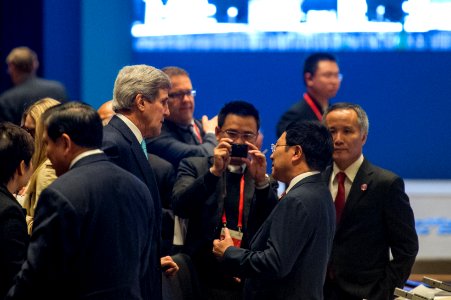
(236, 169)
(299, 178)
(132, 127)
(350, 171)
(83, 155)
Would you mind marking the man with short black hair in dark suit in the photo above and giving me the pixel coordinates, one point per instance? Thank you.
(374, 217)
(16, 150)
(211, 192)
(140, 100)
(287, 258)
(93, 228)
(322, 81)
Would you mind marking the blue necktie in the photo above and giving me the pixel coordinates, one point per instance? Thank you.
(144, 147)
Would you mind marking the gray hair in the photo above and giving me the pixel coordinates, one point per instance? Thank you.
(362, 117)
(137, 79)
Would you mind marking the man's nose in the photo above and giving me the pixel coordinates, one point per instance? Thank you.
(337, 138)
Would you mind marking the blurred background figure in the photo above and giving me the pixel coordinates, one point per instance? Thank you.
(322, 81)
(43, 174)
(28, 88)
(106, 112)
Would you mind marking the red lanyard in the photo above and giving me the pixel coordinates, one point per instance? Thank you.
(197, 132)
(313, 106)
(240, 207)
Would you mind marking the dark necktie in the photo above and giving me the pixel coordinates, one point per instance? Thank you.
(340, 198)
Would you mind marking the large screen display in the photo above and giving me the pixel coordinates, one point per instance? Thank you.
(287, 25)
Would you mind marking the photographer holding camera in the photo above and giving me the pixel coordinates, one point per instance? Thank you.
(230, 189)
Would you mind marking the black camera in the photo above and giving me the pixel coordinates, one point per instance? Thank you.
(239, 150)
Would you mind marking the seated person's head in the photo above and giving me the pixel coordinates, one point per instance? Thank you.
(106, 112)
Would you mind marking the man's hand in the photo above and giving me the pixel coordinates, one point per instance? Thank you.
(220, 246)
(169, 267)
(209, 126)
(257, 164)
(221, 155)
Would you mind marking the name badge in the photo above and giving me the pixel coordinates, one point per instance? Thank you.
(237, 236)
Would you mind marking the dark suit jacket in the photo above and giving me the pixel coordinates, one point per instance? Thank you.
(14, 101)
(122, 148)
(175, 143)
(92, 237)
(377, 218)
(13, 239)
(288, 255)
(165, 177)
(300, 111)
(199, 196)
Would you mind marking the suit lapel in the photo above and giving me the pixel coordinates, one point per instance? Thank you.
(359, 188)
(141, 160)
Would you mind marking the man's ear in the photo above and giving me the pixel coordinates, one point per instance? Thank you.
(22, 168)
(364, 137)
(66, 142)
(139, 101)
(298, 153)
(308, 78)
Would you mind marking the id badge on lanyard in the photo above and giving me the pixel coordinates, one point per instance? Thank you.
(237, 235)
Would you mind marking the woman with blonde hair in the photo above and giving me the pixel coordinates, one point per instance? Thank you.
(43, 173)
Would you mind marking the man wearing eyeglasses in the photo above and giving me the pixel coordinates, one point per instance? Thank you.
(287, 258)
(230, 189)
(182, 135)
(322, 80)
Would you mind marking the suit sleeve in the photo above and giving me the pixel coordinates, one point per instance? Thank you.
(192, 189)
(13, 249)
(51, 251)
(283, 246)
(262, 205)
(173, 150)
(403, 239)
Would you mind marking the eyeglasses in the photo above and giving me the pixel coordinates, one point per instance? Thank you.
(234, 135)
(274, 147)
(181, 94)
(330, 75)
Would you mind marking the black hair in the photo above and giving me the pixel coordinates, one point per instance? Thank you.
(311, 63)
(315, 141)
(16, 145)
(79, 121)
(239, 108)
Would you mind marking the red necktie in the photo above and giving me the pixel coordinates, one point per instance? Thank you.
(340, 198)
(196, 132)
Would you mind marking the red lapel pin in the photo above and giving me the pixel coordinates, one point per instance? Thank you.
(363, 187)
